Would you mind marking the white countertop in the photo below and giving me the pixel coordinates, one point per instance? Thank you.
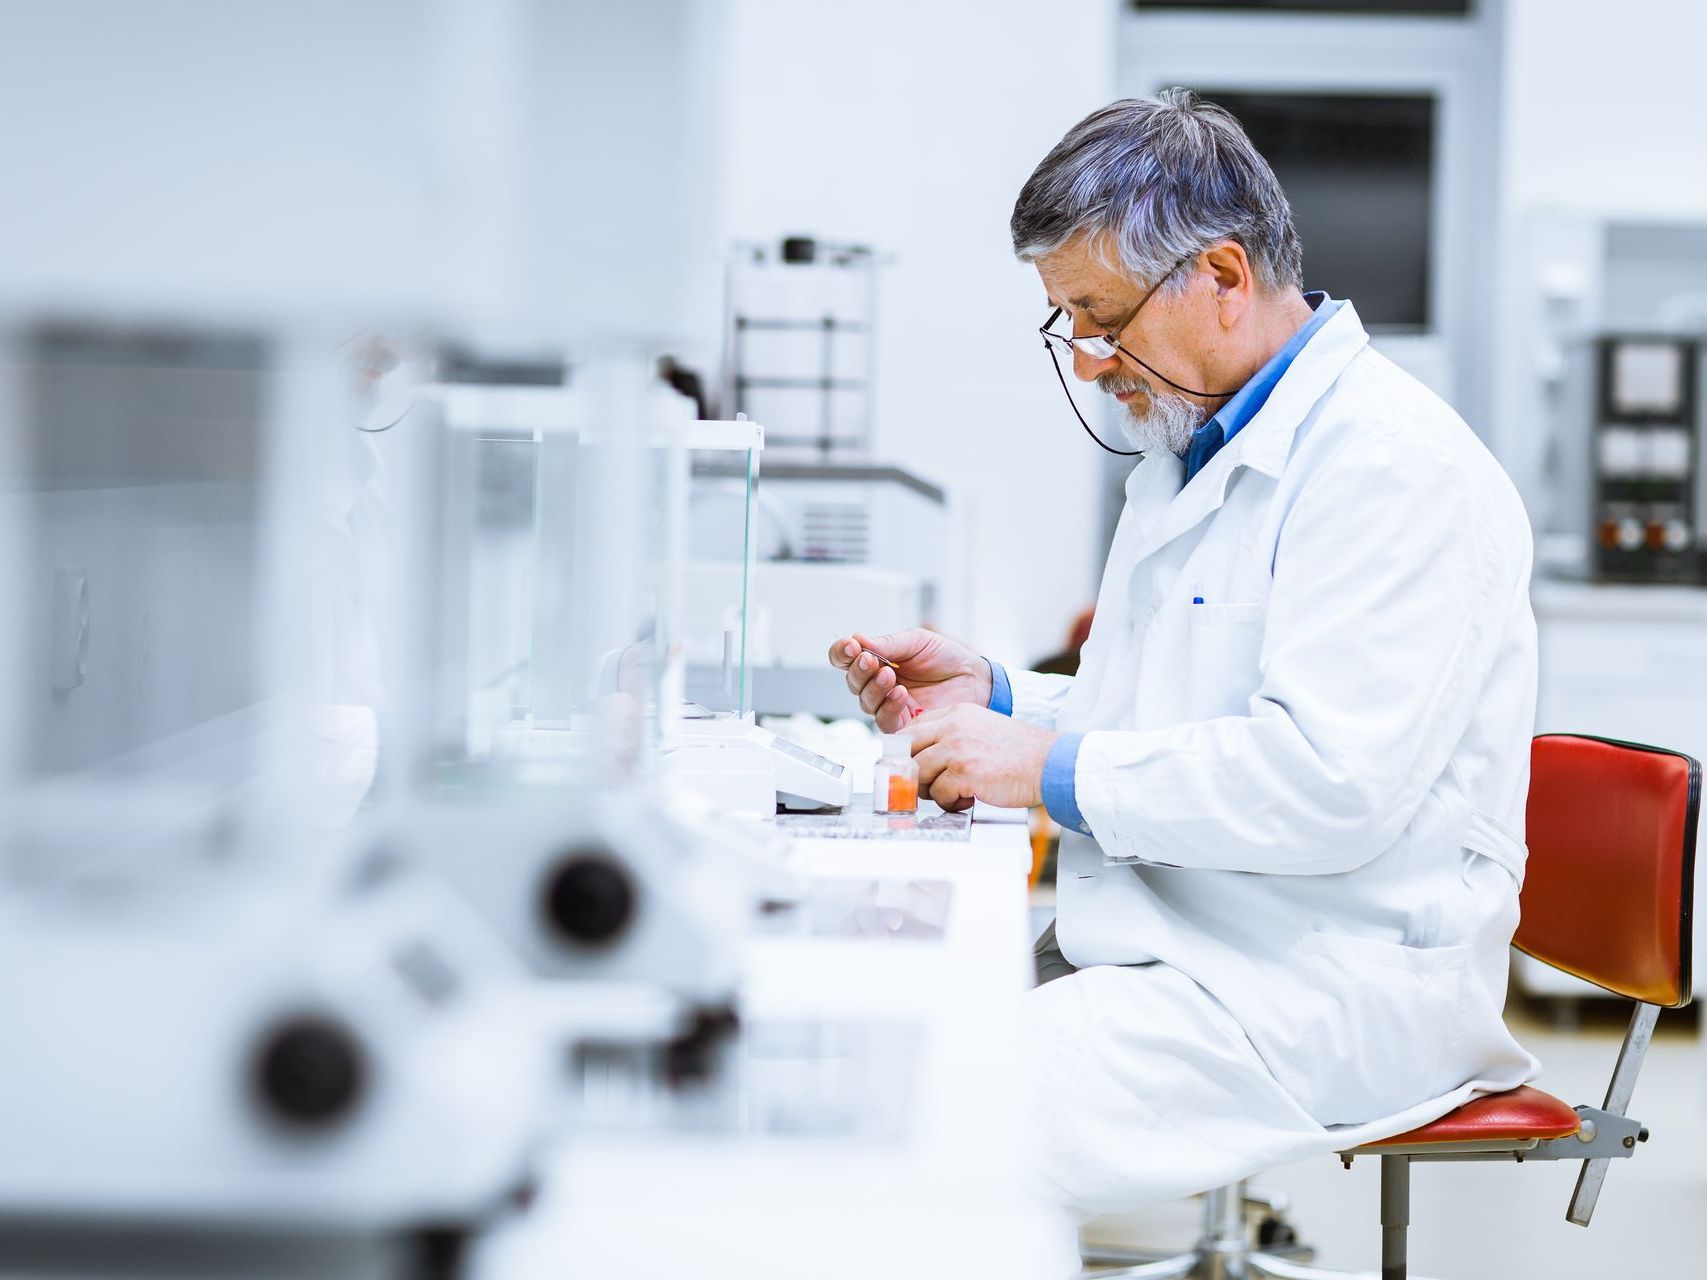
(927, 1028)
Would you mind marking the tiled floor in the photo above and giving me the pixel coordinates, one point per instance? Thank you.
(1507, 1221)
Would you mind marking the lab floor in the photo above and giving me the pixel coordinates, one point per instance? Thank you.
(1508, 1221)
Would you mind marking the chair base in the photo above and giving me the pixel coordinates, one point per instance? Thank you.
(1224, 1251)
(1200, 1265)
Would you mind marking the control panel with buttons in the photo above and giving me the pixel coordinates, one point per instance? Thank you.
(1648, 464)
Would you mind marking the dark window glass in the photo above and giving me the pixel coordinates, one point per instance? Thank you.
(1451, 8)
(1358, 171)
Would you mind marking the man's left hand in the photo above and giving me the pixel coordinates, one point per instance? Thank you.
(968, 753)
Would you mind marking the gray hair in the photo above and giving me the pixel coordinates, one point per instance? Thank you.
(1155, 180)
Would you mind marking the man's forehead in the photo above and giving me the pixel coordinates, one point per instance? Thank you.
(1078, 279)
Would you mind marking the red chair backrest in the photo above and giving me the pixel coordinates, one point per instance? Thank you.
(1610, 887)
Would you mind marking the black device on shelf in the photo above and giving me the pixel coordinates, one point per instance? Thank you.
(1647, 461)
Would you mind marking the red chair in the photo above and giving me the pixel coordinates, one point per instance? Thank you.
(1607, 896)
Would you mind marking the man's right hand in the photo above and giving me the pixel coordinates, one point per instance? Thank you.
(931, 672)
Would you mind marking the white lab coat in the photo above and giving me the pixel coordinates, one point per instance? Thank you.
(1307, 794)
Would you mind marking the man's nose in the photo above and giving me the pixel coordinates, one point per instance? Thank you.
(1087, 368)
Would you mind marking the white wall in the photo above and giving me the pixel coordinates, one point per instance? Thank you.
(912, 127)
(527, 168)
(252, 161)
(618, 184)
(1603, 115)
(1604, 105)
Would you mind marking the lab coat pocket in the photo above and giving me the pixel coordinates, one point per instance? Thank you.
(1379, 1027)
(1224, 644)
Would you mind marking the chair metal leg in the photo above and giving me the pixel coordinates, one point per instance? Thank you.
(1395, 1214)
(1395, 1220)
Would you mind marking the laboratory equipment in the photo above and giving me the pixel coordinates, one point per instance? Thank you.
(839, 538)
(1649, 498)
(1607, 405)
(895, 781)
(251, 1053)
(839, 547)
(798, 343)
(1618, 306)
(716, 618)
(551, 510)
(546, 532)
(594, 884)
(716, 747)
(743, 768)
(804, 779)
(237, 1039)
(553, 635)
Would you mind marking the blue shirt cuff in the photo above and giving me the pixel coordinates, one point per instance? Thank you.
(1001, 691)
(1060, 790)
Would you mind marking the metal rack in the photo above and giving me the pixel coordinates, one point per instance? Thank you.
(809, 394)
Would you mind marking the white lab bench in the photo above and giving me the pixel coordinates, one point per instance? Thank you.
(919, 1166)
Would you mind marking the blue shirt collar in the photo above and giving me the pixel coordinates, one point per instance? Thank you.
(1231, 418)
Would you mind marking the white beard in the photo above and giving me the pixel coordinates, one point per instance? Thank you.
(1156, 419)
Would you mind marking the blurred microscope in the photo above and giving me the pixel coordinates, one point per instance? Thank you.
(305, 973)
(236, 1041)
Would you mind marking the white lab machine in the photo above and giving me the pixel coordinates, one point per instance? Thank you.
(716, 747)
(838, 537)
(838, 547)
(745, 768)
(555, 514)
(236, 1041)
(207, 1035)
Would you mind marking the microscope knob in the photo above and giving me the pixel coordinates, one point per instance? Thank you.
(589, 898)
(309, 1071)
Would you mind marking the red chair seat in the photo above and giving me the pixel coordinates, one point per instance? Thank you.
(1515, 1116)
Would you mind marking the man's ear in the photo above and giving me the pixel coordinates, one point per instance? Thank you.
(1235, 284)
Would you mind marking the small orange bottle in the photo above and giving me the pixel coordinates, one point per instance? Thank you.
(895, 784)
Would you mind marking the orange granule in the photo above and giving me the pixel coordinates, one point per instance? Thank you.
(903, 794)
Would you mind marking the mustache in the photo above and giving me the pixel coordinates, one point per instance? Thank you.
(1116, 384)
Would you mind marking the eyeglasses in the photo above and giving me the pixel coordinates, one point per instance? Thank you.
(1105, 346)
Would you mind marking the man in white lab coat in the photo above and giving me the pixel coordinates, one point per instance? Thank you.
(1291, 770)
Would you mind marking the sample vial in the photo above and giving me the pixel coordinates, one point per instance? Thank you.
(895, 785)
